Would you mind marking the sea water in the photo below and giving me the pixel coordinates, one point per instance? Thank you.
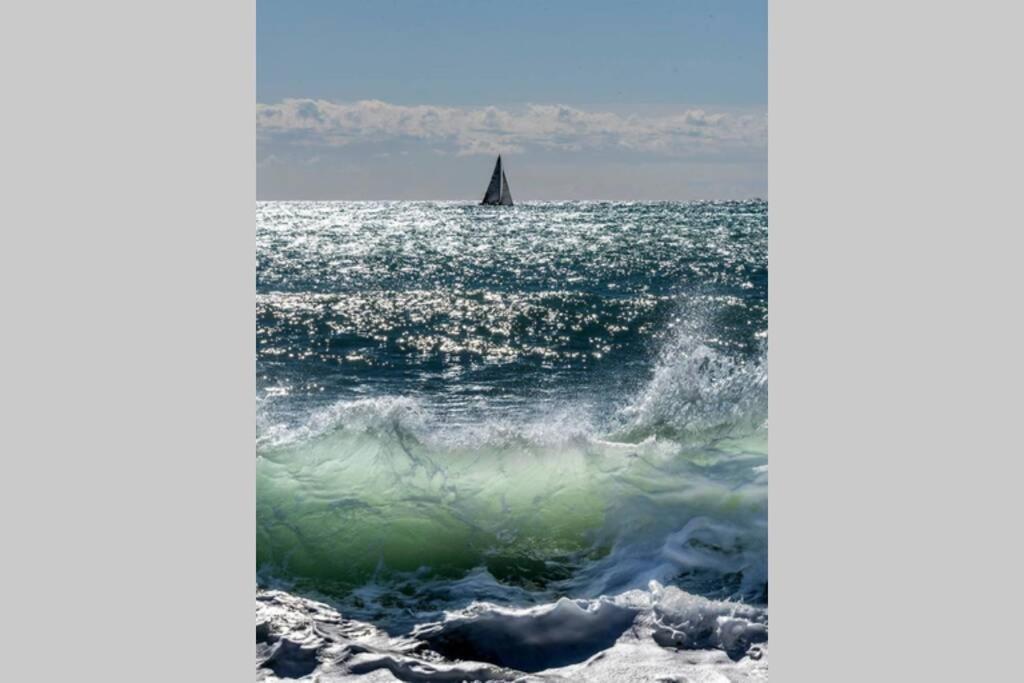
(512, 443)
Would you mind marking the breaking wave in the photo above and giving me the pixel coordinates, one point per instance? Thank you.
(672, 487)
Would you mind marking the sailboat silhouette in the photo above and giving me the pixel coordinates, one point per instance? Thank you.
(497, 190)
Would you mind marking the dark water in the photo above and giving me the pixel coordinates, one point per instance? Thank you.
(511, 405)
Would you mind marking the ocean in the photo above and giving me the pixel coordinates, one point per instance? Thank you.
(512, 443)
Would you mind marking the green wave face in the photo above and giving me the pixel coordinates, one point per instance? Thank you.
(352, 506)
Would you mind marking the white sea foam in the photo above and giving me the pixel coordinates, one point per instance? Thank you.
(660, 633)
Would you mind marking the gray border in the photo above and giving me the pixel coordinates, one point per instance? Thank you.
(128, 341)
(894, 168)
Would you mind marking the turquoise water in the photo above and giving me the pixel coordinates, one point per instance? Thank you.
(510, 405)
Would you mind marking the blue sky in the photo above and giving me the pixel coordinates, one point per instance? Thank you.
(585, 100)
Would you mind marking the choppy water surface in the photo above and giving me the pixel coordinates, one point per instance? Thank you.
(485, 430)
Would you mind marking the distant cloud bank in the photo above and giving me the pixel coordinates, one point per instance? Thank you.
(488, 130)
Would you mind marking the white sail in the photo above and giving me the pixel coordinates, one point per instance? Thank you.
(506, 195)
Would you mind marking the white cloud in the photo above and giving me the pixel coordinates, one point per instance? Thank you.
(487, 130)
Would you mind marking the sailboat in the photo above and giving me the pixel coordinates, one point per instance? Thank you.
(497, 189)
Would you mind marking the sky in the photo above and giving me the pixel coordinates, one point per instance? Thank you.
(414, 99)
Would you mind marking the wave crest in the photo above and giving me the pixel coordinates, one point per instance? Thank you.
(699, 390)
